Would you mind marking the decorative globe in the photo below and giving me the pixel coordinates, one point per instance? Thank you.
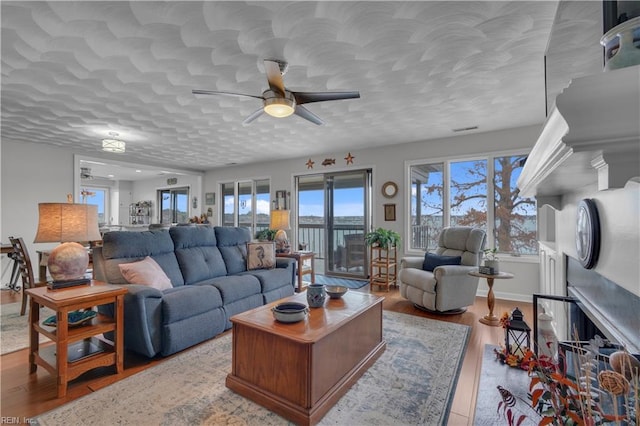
(68, 261)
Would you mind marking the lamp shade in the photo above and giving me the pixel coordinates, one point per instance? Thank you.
(279, 219)
(66, 222)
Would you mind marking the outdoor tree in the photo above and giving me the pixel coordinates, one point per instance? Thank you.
(515, 229)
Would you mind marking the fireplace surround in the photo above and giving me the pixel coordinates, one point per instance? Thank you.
(596, 306)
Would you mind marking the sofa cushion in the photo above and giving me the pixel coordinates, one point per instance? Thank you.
(126, 247)
(187, 301)
(261, 256)
(145, 272)
(232, 243)
(270, 279)
(197, 253)
(432, 261)
(235, 287)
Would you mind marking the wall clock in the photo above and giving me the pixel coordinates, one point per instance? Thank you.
(587, 233)
(389, 189)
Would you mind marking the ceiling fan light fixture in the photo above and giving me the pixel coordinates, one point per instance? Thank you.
(279, 107)
(112, 144)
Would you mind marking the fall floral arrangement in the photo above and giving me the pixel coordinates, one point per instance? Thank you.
(601, 393)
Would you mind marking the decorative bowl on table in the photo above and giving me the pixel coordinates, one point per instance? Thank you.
(335, 291)
(290, 312)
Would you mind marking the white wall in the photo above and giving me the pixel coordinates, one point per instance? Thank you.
(619, 213)
(388, 164)
(31, 174)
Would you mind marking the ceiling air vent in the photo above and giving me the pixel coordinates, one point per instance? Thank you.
(465, 129)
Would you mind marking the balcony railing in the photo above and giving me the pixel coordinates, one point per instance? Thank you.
(312, 236)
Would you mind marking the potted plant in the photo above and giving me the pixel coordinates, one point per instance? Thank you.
(266, 234)
(490, 257)
(384, 238)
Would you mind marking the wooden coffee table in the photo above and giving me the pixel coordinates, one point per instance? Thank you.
(301, 370)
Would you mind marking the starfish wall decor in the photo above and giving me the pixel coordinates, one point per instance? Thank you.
(349, 158)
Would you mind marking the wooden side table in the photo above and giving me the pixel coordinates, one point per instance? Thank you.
(302, 267)
(491, 319)
(80, 342)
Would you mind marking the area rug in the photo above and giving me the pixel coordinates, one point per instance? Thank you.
(355, 284)
(495, 374)
(14, 329)
(413, 382)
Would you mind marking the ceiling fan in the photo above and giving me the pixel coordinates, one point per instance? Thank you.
(280, 102)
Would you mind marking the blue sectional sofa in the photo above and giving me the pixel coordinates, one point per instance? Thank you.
(209, 278)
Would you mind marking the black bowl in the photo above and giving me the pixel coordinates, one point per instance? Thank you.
(290, 312)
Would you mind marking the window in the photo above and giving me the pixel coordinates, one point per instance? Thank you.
(246, 203)
(174, 205)
(98, 196)
(459, 193)
(515, 219)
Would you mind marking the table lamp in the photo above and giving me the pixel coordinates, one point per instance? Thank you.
(67, 223)
(280, 222)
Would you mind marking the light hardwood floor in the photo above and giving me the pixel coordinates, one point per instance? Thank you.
(26, 396)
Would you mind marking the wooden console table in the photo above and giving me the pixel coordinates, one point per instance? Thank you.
(89, 352)
(302, 266)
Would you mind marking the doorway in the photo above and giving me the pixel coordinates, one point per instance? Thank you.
(334, 214)
(174, 205)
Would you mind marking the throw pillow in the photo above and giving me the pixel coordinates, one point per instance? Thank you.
(431, 261)
(261, 256)
(145, 272)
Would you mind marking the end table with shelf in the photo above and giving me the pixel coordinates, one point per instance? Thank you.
(76, 349)
(305, 265)
(383, 267)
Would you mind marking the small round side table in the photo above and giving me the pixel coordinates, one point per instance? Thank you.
(491, 319)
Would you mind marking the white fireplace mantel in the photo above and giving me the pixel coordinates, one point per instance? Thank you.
(592, 136)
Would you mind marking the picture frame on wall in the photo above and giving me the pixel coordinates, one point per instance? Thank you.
(389, 212)
(281, 200)
(210, 198)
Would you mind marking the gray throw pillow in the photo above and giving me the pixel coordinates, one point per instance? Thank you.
(431, 261)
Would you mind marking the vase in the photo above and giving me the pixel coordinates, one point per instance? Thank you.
(622, 45)
(315, 295)
(493, 264)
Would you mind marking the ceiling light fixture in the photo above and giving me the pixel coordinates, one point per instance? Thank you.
(280, 107)
(112, 144)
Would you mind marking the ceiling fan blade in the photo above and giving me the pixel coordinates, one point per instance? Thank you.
(214, 92)
(253, 116)
(274, 76)
(308, 97)
(308, 115)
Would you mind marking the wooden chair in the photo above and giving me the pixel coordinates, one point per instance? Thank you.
(26, 271)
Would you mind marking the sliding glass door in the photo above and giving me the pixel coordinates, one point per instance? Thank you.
(174, 205)
(333, 216)
(247, 204)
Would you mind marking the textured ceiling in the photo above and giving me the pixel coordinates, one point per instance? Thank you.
(74, 71)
